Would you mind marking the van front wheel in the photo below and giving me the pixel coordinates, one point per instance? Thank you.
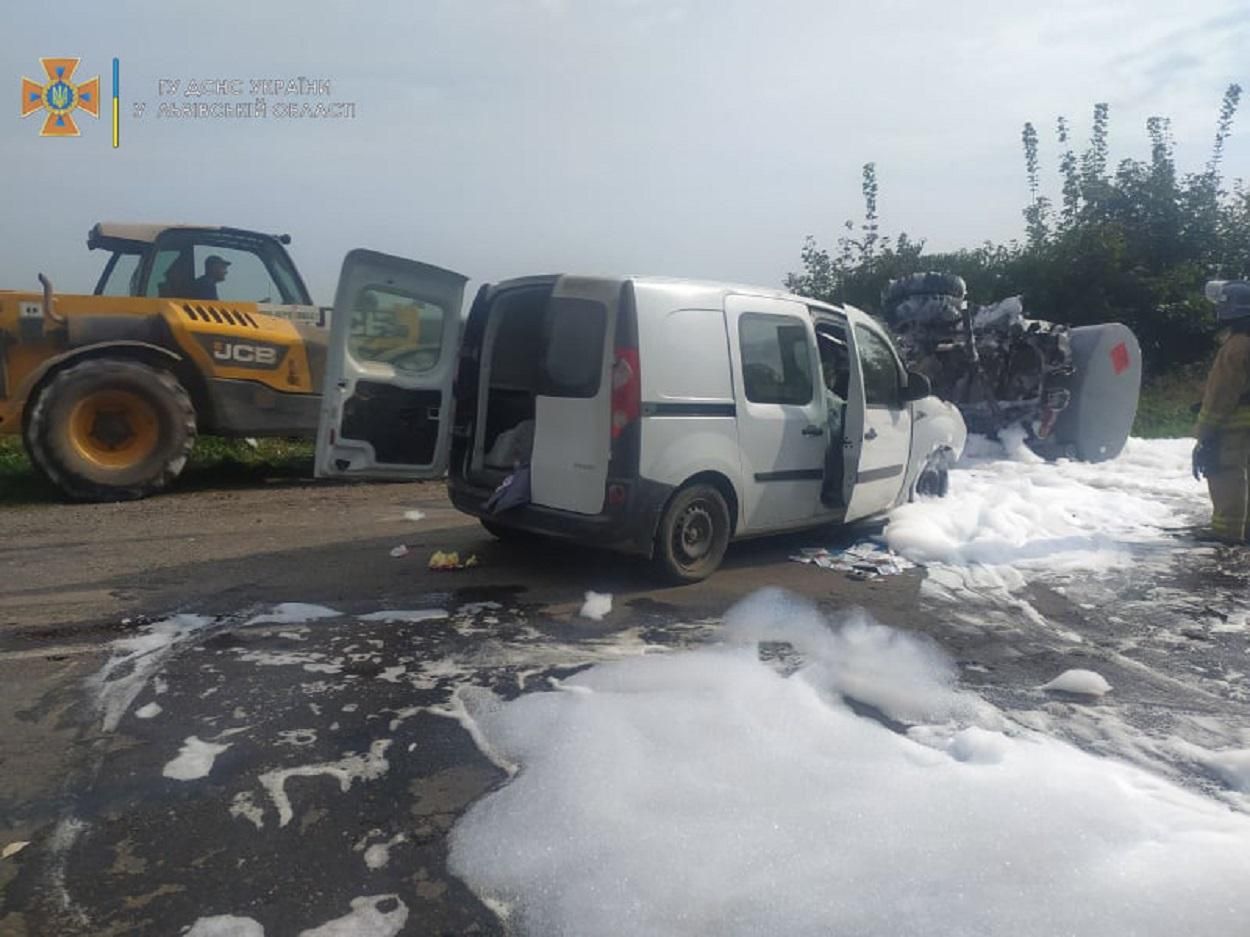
(693, 535)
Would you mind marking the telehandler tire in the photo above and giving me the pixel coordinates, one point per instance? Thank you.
(111, 429)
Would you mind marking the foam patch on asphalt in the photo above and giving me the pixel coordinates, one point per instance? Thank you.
(225, 925)
(134, 660)
(1069, 516)
(373, 916)
(351, 767)
(846, 787)
(1080, 683)
(390, 616)
(195, 760)
(294, 613)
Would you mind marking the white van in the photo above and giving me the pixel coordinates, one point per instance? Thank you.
(655, 416)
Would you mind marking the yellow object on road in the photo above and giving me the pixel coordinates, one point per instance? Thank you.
(444, 561)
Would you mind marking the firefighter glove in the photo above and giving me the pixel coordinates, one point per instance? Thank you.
(1206, 458)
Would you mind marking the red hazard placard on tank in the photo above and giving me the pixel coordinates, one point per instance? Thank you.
(1119, 358)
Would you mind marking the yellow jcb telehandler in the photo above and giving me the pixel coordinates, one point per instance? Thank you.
(189, 329)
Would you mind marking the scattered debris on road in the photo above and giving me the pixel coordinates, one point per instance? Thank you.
(12, 849)
(861, 561)
(448, 561)
(401, 550)
(596, 606)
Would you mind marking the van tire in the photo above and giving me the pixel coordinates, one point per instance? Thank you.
(148, 429)
(934, 478)
(692, 536)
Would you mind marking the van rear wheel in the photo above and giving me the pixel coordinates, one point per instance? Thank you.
(693, 535)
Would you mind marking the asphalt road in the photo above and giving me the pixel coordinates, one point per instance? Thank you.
(338, 764)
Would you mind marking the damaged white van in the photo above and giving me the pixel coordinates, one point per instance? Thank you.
(654, 416)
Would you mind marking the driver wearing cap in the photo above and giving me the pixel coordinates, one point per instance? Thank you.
(205, 286)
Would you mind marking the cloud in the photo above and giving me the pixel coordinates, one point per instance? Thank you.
(692, 138)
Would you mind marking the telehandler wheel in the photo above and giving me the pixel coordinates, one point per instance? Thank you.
(693, 535)
(111, 429)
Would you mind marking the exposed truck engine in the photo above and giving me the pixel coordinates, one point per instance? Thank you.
(1073, 390)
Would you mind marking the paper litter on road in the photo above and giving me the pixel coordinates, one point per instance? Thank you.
(414, 515)
(861, 561)
(401, 550)
(12, 849)
(596, 606)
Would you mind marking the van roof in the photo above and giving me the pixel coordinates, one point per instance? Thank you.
(717, 286)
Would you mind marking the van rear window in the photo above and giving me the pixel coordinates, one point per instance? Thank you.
(574, 330)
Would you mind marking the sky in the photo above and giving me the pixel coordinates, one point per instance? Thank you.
(697, 138)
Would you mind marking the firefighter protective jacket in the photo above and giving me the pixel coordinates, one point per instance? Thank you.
(1226, 400)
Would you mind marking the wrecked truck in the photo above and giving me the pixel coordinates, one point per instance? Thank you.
(1074, 390)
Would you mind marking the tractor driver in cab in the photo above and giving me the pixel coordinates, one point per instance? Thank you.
(205, 286)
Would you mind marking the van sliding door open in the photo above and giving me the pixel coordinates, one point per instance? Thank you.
(782, 430)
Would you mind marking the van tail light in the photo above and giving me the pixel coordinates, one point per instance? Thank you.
(626, 390)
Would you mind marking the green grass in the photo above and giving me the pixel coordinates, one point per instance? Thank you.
(1163, 411)
(1164, 408)
(214, 462)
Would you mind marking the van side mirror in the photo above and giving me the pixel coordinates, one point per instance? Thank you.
(917, 386)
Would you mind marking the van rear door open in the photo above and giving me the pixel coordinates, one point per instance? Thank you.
(572, 409)
(394, 343)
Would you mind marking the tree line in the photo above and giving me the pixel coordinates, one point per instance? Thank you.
(1133, 244)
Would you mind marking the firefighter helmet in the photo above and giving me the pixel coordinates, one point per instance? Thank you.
(1232, 300)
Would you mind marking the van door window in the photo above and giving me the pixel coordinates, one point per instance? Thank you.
(396, 329)
(573, 348)
(776, 359)
(882, 381)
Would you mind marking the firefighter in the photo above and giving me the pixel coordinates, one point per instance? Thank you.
(1222, 454)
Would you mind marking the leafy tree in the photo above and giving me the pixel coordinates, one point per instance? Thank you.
(1134, 246)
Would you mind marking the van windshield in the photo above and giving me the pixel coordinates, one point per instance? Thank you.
(572, 363)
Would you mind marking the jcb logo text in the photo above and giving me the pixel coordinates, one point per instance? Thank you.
(237, 353)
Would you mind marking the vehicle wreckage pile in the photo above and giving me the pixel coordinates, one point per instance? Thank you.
(1074, 390)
